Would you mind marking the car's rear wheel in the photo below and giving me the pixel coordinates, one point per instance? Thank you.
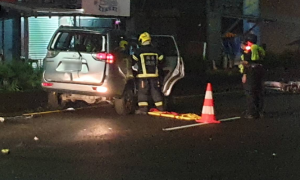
(126, 104)
(55, 101)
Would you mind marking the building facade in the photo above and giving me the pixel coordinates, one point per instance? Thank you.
(27, 25)
(283, 32)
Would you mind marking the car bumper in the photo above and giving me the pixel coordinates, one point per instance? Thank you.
(69, 88)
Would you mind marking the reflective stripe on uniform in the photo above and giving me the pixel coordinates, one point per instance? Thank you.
(241, 67)
(146, 75)
(143, 64)
(143, 103)
(135, 58)
(161, 57)
(160, 103)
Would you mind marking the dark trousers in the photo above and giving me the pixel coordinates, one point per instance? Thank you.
(254, 90)
(146, 86)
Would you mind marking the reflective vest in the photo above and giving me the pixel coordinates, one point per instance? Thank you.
(147, 58)
(255, 53)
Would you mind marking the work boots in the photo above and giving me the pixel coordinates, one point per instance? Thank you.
(259, 115)
(160, 108)
(142, 110)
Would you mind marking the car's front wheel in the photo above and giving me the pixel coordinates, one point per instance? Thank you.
(126, 104)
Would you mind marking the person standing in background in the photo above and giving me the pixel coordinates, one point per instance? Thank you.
(252, 76)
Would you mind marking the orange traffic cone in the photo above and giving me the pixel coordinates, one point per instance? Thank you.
(208, 113)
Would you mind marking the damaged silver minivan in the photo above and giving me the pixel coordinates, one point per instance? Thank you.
(86, 64)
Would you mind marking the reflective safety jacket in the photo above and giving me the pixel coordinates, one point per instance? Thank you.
(147, 58)
(253, 55)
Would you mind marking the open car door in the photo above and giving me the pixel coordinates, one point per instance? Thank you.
(173, 68)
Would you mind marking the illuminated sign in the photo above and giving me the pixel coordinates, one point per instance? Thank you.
(106, 7)
(10, 1)
(66, 4)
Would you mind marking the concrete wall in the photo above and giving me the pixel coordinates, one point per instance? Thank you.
(286, 28)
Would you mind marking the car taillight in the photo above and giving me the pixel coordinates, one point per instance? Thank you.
(51, 54)
(109, 58)
(47, 84)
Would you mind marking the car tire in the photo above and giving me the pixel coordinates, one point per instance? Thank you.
(126, 104)
(54, 101)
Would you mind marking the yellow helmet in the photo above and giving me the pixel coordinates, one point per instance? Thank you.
(123, 43)
(144, 37)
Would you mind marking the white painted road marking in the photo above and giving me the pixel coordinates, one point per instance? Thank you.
(198, 124)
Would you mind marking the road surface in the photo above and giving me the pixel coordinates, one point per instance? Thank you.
(98, 144)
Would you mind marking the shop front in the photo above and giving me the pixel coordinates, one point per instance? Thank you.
(28, 25)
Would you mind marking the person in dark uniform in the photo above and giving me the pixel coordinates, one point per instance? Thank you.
(147, 59)
(253, 74)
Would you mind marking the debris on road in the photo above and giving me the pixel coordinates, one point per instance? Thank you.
(36, 138)
(28, 117)
(2, 119)
(283, 86)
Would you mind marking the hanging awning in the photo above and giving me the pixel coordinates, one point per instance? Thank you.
(5, 6)
(253, 19)
(29, 11)
(250, 18)
(58, 12)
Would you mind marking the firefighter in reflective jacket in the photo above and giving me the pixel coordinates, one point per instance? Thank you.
(148, 58)
(253, 73)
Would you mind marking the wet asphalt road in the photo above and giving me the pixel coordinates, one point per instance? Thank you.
(97, 144)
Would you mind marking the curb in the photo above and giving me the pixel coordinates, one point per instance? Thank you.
(34, 114)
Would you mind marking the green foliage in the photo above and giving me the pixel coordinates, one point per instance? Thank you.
(19, 76)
